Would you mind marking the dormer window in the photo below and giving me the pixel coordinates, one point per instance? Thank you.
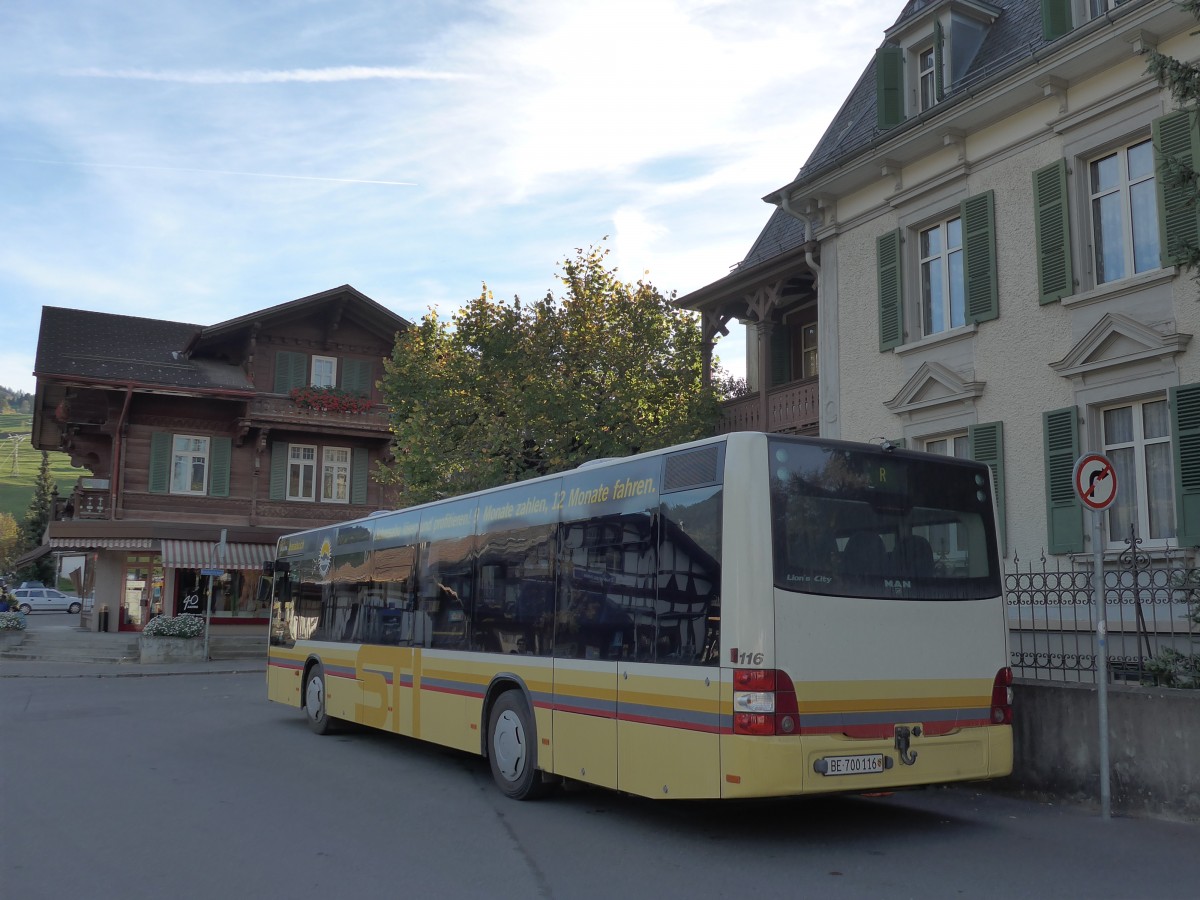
(927, 54)
(926, 61)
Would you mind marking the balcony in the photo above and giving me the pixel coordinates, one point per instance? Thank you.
(280, 410)
(89, 500)
(793, 408)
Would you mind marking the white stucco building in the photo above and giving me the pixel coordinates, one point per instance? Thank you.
(979, 258)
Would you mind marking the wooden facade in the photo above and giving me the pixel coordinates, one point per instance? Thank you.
(187, 433)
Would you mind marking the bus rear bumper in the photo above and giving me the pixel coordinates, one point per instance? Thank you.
(811, 764)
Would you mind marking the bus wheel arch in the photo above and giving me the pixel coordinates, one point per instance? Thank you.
(510, 742)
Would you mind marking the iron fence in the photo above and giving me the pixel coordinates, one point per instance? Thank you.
(1152, 611)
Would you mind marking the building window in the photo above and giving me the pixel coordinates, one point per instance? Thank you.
(808, 351)
(926, 63)
(1100, 7)
(1124, 212)
(302, 472)
(948, 541)
(957, 445)
(324, 371)
(335, 475)
(1137, 438)
(189, 464)
(942, 285)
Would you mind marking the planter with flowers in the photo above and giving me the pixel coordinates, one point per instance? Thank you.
(12, 629)
(172, 639)
(326, 399)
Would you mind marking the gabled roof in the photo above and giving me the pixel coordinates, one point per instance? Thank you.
(102, 347)
(350, 303)
(86, 346)
(1010, 42)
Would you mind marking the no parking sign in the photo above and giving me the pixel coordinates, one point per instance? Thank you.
(1095, 481)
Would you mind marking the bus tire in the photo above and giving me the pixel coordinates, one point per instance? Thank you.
(512, 748)
(314, 701)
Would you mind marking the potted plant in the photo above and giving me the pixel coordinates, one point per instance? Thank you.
(327, 399)
(172, 639)
(12, 629)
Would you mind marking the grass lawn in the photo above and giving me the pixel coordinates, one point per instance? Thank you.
(19, 464)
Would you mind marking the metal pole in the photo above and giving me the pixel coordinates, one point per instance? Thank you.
(208, 615)
(1101, 663)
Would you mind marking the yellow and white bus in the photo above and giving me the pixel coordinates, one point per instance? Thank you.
(746, 616)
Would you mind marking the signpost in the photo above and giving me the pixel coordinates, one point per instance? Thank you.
(213, 571)
(1095, 482)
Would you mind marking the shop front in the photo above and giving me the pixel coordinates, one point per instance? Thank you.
(224, 579)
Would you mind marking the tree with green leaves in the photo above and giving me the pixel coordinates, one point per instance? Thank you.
(1179, 171)
(508, 391)
(37, 519)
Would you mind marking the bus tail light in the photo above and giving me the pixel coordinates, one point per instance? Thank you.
(1002, 697)
(764, 702)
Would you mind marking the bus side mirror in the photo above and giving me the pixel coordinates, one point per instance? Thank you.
(276, 567)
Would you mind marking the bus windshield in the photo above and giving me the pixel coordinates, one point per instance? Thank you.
(860, 523)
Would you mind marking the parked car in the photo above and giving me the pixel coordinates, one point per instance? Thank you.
(44, 598)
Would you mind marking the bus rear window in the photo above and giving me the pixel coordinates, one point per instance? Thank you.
(861, 523)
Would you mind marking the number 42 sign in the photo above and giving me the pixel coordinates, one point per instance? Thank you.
(1095, 481)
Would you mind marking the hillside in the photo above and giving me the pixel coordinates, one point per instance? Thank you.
(19, 464)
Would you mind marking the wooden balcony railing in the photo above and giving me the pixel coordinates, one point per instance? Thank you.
(282, 410)
(793, 407)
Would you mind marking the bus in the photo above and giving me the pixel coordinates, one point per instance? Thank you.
(751, 615)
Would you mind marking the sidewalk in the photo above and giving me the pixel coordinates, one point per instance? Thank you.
(55, 646)
(46, 668)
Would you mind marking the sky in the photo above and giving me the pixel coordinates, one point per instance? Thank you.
(196, 160)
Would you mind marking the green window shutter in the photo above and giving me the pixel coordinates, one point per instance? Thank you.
(160, 462)
(979, 257)
(889, 84)
(987, 446)
(1064, 511)
(1177, 136)
(279, 463)
(358, 475)
(1052, 233)
(891, 291)
(781, 355)
(291, 371)
(939, 42)
(1185, 428)
(219, 461)
(1056, 18)
(356, 377)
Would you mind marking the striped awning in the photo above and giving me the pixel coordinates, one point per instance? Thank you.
(203, 555)
(94, 543)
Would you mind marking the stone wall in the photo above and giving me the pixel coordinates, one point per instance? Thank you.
(1154, 747)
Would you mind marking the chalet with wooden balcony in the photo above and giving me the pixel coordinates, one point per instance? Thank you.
(187, 434)
(773, 291)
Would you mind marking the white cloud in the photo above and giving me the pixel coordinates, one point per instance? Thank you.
(202, 161)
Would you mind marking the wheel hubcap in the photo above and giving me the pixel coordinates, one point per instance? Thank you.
(508, 745)
(315, 699)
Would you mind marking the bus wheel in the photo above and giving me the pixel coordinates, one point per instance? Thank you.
(511, 748)
(314, 701)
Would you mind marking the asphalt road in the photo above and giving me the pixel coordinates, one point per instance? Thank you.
(194, 786)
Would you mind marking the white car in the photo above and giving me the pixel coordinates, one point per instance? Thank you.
(43, 598)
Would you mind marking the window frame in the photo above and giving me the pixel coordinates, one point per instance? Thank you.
(1123, 189)
(292, 461)
(1139, 443)
(333, 371)
(327, 466)
(177, 454)
(946, 279)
